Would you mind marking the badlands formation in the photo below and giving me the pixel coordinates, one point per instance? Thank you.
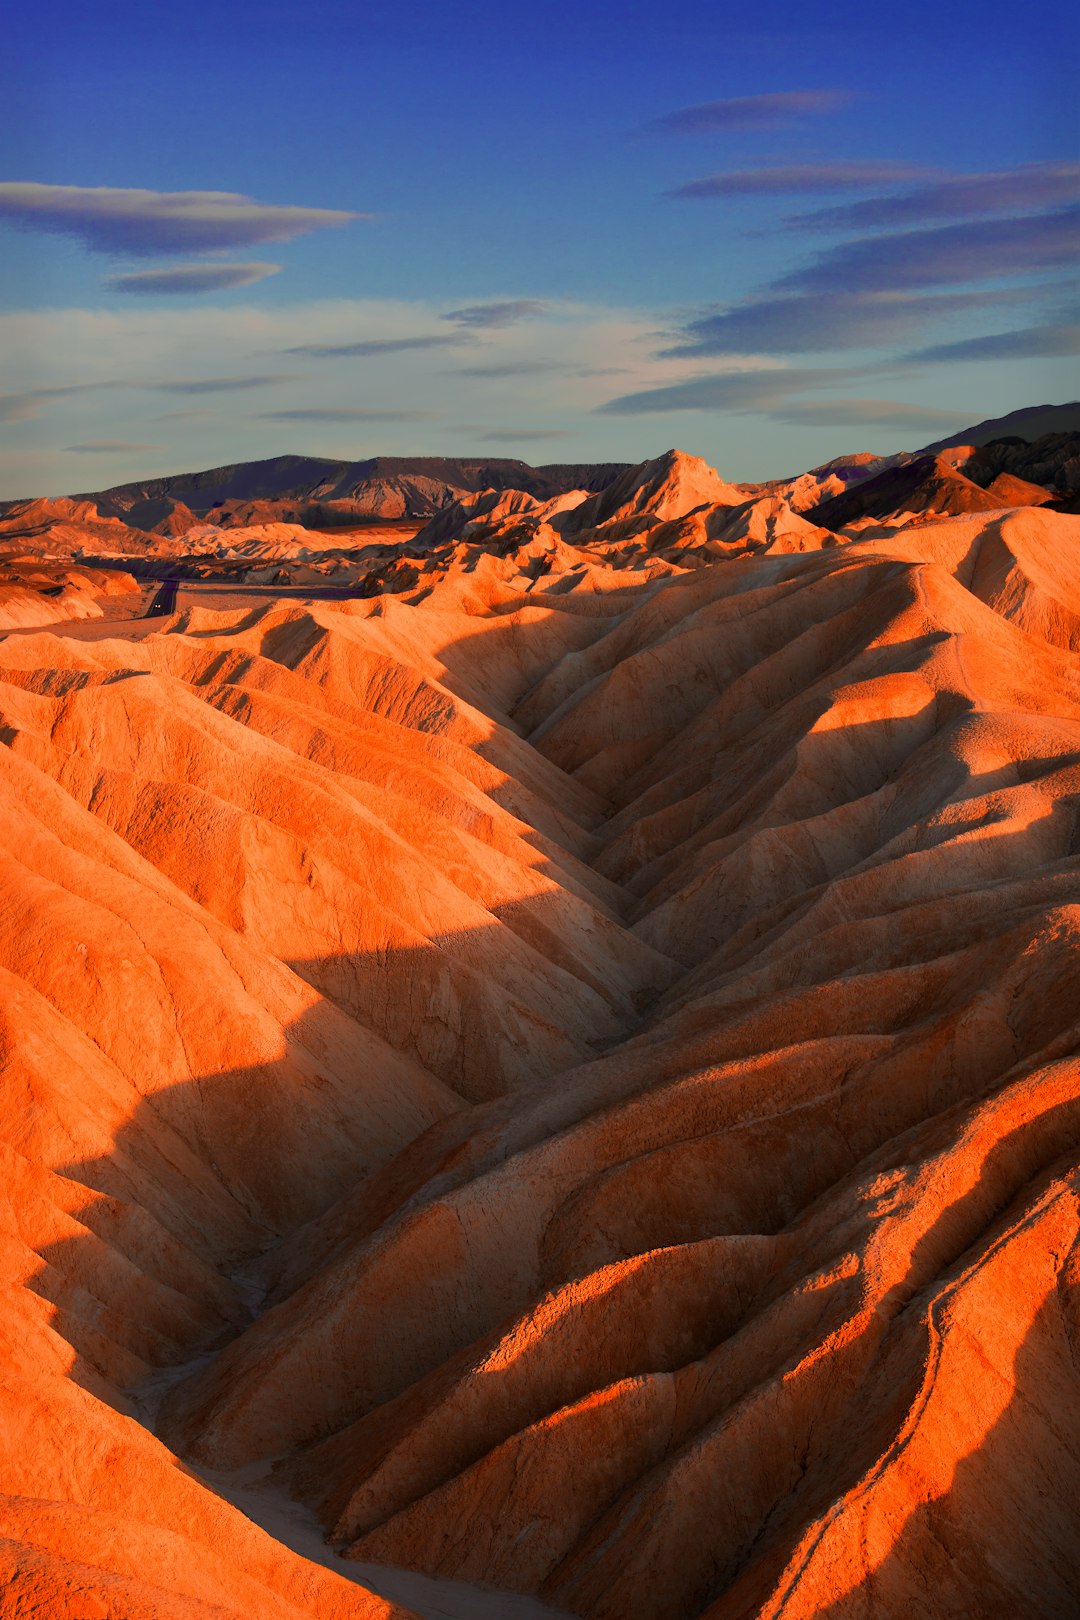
(540, 1069)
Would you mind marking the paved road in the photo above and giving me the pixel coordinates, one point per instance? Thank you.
(163, 600)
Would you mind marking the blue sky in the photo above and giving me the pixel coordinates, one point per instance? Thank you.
(768, 233)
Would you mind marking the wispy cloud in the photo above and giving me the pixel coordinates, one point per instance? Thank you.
(111, 219)
(192, 278)
(345, 413)
(865, 413)
(816, 323)
(793, 179)
(778, 394)
(975, 250)
(104, 446)
(728, 391)
(30, 402)
(1025, 343)
(211, 385)
(374, 346)
(511, 368)
(875, 291)
(503, 313)
(523, 435)
(773, 111)
(1025, 189)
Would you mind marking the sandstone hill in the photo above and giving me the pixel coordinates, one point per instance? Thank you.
(927, 484)
(550, 1087)
(963, 478)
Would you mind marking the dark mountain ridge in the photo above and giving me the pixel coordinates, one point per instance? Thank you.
(1028, 423)
(316, 489)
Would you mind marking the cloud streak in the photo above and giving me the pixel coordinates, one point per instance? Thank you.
(504, 313)
(793, 179)
(1024, 343)
(523, 435)
(345, 413)
(191, 278)
(770, 393)
(866, 413)
(106, 446)
(727, 391)
(1025, 189)
(878, 290)
(211, 385)
(511, 368)
(27, 405)
(30, 402)
(978, 250)
(374, 346)
(776, 110)
(114, 220)
(811, 323)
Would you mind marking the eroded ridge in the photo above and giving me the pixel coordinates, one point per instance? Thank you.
(565, 1071)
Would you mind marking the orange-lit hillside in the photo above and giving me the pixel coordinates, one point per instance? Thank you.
(540, 1057)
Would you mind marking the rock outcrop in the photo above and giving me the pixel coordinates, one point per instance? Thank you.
(927, 485)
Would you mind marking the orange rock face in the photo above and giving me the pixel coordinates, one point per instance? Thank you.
(552, 1089)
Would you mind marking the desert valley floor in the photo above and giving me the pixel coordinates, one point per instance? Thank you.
(546, 1082)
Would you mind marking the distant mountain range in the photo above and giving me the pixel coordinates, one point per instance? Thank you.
(323, 493)
(1034, 444)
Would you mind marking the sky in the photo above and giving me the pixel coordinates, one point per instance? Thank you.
(767, 233)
